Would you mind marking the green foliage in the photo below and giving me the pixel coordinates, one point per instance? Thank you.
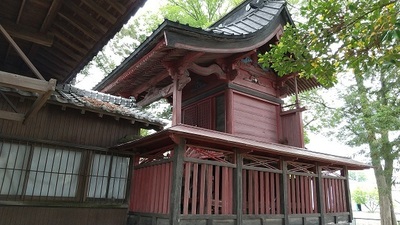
(197, 13)
(367, 198)
(357, 176)
(338, 35)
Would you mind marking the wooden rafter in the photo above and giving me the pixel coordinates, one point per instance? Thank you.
(41, 86)
(26, 33)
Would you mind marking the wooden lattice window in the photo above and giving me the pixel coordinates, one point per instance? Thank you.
(208, 113)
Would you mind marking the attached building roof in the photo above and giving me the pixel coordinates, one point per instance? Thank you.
(104, 104)
(223, 141)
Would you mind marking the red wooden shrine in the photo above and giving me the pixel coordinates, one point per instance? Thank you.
(234, 154)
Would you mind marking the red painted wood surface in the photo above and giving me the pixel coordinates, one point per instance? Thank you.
(292, 129)
(254, 118)
(334, 192)
(207, 189)
(151, 187)
(261, 192)
(301, 194)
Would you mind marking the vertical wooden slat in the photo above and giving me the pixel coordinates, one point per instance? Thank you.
(307, 191)
(273, 196)
(293, 194)
(338, 204)
(250, 192)
(315, 196)
(262, 193)
(202, 187)
(244, 189)
(194, 194)
(230, 197)
(256, 194)
(278, 194)
(343, 197)
(160, 183)
(225, 193)
(303, 194)
(169, 187)
(298, 195)
(289, 196)
(268, 193)
(209, 184)
(186, 193)
(154, 188)
(216, 190)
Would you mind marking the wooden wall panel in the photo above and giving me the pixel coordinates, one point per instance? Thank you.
(151, 188)
(255, 119)
(52, 123)
(292, 129)
(12, 215)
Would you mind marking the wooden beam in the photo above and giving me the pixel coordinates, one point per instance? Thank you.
(12, 116)
(26, 83)
(176, 103)
(75, 35)
(40, 101)
(21, 53)
(27, 33)
(78, 25)
(80, 49)
(151, 83)
(117, 6)
(85, 16)
(102, 12)
(206, 71)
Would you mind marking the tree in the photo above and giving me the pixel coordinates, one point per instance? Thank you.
(197, 13)
(368, 198)
(357, 39)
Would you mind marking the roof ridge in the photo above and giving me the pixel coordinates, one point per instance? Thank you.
(117, 100)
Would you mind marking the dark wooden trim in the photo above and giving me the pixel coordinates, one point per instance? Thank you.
(65, 144)
(261, 169)
(255, 93)
(229, 126)
(284, 194)
(153, 163)
(304, 174)
(207, 216)
(209, 162)
(237, 188)
(320, 195)
(176, 185)
(293, 111)
(214, 91)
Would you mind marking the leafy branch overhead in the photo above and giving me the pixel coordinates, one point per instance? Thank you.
(336, 36)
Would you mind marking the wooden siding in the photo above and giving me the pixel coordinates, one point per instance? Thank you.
(292, 128)
(70, 126)
(22, 215)
(151, 188)
(254, 118)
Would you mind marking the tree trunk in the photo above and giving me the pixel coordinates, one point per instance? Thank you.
(385, 197)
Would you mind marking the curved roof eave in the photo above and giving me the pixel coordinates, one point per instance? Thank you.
(182, 36)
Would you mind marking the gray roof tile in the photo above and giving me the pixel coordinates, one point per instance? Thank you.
(92, 100)
(254, 20)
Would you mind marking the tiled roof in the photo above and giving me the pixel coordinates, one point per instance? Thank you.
(95, 101)
(248, 18)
